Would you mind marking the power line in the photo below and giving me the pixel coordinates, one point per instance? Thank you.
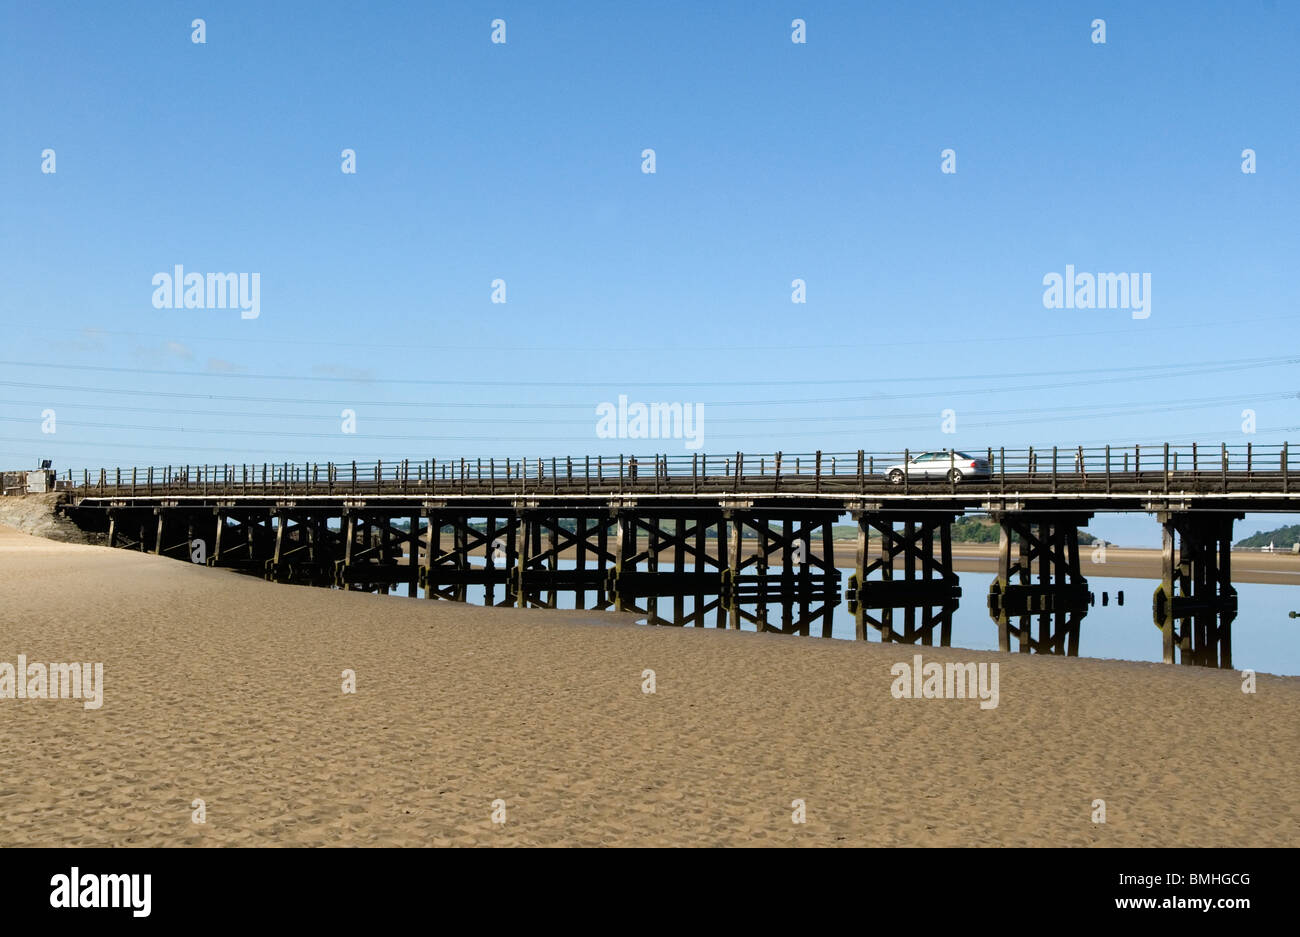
(1144, 376)
(1186, 368)
(92, 331)
(1057, 413)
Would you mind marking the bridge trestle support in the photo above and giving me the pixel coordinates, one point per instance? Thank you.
(916, 577)
(1039, 576)
(1195, 604)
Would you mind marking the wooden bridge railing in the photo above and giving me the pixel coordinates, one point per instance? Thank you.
(1054, 469)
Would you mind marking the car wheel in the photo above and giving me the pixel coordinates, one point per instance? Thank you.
(954, 476)
(895, 477)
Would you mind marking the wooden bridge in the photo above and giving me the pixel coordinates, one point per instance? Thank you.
(735, 538)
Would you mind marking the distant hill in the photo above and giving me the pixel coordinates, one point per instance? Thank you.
(1282, 538)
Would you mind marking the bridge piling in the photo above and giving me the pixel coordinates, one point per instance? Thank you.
(1059, 598)
(925, 588)
(1195, 604)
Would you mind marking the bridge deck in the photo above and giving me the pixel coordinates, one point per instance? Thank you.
(1182, 491)
(1221, 478)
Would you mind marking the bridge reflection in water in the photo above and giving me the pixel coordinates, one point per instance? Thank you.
(720, 541)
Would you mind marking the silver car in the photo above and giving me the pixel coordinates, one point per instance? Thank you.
(932, 466)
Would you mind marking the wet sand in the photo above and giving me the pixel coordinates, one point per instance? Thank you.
(227, 688)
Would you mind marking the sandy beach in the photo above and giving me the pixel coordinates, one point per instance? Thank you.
(229, 689)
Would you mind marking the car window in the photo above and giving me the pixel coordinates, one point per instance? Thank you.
(963, 455)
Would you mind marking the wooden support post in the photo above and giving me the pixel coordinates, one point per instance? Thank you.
(432, 550)
(945, 564)
(552, 555)
(830, 577)
(580, 557)
(625, 551)
(734, 563)
(679, 570)
(1226, 594)
(412, 554)
(652, 565)
(281, 521)
(602, 551)
(218, 538)
(860, 576)
(1005, 568)
(350, 542)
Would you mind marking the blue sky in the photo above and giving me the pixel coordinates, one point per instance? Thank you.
(522, 161)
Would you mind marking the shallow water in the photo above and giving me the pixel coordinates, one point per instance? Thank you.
(1264, 638)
